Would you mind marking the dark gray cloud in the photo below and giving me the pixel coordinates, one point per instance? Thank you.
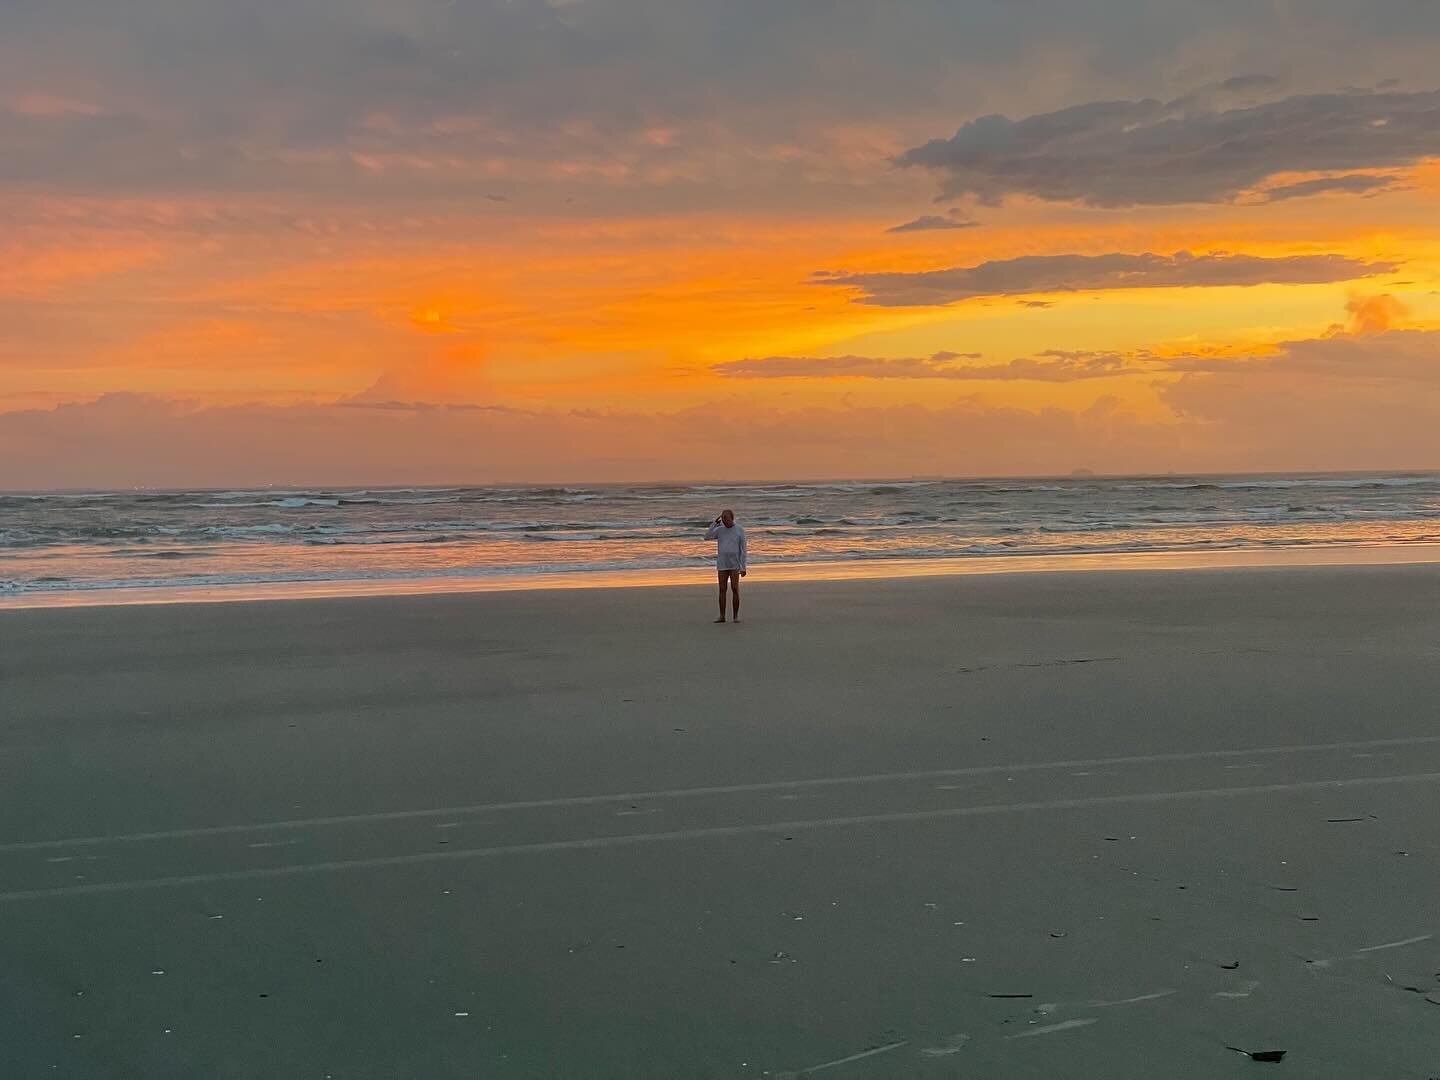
(404, 98)
(926, 222)
(1127, 153)
(1354, 184)
(340, 95)
(1070, 273)
(1052, 365)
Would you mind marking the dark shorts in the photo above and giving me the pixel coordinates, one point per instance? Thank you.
(733, 575)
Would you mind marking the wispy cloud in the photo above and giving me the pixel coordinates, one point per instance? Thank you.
(1353, 184)
(1052, 365)
(1069, 273)
(926, 222)
(425, 406)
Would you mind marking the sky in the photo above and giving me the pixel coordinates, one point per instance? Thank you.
(481, 241)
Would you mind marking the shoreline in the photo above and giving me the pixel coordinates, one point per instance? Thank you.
(1279, 557)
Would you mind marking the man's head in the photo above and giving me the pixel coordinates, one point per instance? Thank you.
(728, 517)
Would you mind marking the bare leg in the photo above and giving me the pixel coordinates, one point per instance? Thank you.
(722, 598)
(735, 597)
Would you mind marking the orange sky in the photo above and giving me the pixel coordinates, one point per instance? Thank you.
(554, 264)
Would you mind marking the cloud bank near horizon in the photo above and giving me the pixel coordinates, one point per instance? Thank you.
(1349, 401)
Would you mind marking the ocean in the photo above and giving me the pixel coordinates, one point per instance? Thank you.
(92, 542)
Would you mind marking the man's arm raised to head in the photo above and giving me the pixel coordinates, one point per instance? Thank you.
(714, 530)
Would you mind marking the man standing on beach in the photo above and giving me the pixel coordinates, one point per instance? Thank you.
(729, 559)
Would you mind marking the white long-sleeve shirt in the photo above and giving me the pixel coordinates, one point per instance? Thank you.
(730, 549)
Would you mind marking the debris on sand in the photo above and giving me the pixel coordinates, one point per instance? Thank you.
(1403, 986)
(1260, 1055)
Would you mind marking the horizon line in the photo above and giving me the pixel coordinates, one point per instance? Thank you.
(1075, 474)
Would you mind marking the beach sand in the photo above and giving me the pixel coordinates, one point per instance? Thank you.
(1104, 824)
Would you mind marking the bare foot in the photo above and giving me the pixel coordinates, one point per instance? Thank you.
(720, 619)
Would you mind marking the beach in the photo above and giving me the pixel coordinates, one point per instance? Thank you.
(1105, 824)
